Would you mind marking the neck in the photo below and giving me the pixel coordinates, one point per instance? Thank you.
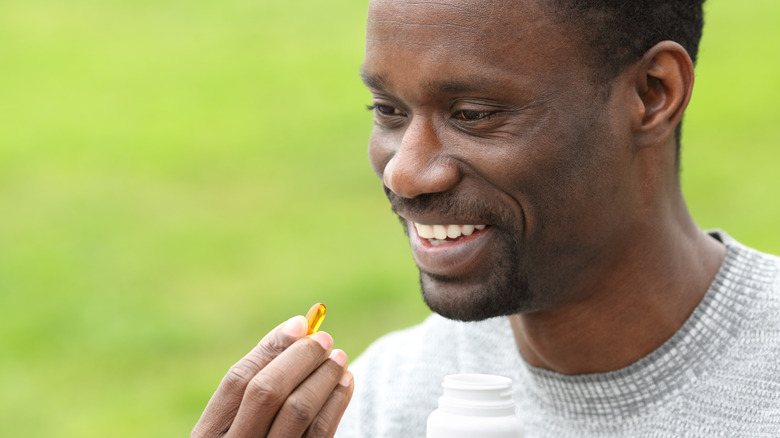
(631, 309)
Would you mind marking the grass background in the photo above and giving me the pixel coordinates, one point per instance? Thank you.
(178, 177)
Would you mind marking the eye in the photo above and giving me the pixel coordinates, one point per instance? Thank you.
(385, 110)
(467, 115)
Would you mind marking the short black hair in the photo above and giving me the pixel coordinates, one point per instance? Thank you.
(620, 32)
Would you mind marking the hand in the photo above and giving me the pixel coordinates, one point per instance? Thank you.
(289, 385)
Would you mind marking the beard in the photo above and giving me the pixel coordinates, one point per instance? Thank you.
(502, 290)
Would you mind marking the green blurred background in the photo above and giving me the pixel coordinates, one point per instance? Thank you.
(178, 177)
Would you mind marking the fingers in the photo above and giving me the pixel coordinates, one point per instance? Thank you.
(267, 390)
(306, 401)
(285, 387)
(224, 404)
(327, 421)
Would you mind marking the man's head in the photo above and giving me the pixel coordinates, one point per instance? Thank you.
(500, 114)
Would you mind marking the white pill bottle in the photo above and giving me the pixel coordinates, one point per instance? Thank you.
(475, 406)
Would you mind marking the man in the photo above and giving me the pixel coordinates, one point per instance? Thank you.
(531, 150)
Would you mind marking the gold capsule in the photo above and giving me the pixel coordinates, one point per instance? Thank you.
(314, 317)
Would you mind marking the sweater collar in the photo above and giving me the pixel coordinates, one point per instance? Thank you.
(699, 346)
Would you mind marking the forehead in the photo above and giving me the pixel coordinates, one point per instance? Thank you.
(476, 38)
(425, 22)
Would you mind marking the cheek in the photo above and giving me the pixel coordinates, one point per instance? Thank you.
(576, 192)
(548, 176)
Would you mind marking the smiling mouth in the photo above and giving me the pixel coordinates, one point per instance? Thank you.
(440, 234)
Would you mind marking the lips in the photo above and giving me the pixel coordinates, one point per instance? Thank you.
(449, 250)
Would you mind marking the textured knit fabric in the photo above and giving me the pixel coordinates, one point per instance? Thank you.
(718, 376)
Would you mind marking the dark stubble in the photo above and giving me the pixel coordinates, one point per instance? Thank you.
(505, 290)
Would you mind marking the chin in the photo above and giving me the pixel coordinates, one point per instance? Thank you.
(459, 300)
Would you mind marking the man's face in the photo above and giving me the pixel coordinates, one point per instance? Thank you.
(485, 115)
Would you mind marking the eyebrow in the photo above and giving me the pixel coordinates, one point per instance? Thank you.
(477, 84)
(372, 80)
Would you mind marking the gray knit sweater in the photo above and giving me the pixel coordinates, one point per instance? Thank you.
(718, 376)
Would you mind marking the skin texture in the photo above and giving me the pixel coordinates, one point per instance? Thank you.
(290, 385)
(486, 113)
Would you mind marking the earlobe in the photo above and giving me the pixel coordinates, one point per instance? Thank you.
(664, 83)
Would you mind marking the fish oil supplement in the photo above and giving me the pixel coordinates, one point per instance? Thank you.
(475, 406)
(314, 317)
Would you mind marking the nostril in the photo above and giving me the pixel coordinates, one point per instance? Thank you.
(411, 179)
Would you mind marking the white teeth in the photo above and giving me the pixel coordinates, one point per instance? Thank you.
(437, 234)
(424, 231)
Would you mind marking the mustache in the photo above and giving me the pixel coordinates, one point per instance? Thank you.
(448, 204)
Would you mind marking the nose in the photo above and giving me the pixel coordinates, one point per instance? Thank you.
(421, 164)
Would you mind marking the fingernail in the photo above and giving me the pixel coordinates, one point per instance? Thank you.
(339, 357)
(324, 339)
(295, 327)
(346, 379)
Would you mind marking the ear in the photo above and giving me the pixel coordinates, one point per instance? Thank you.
(663, 83)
